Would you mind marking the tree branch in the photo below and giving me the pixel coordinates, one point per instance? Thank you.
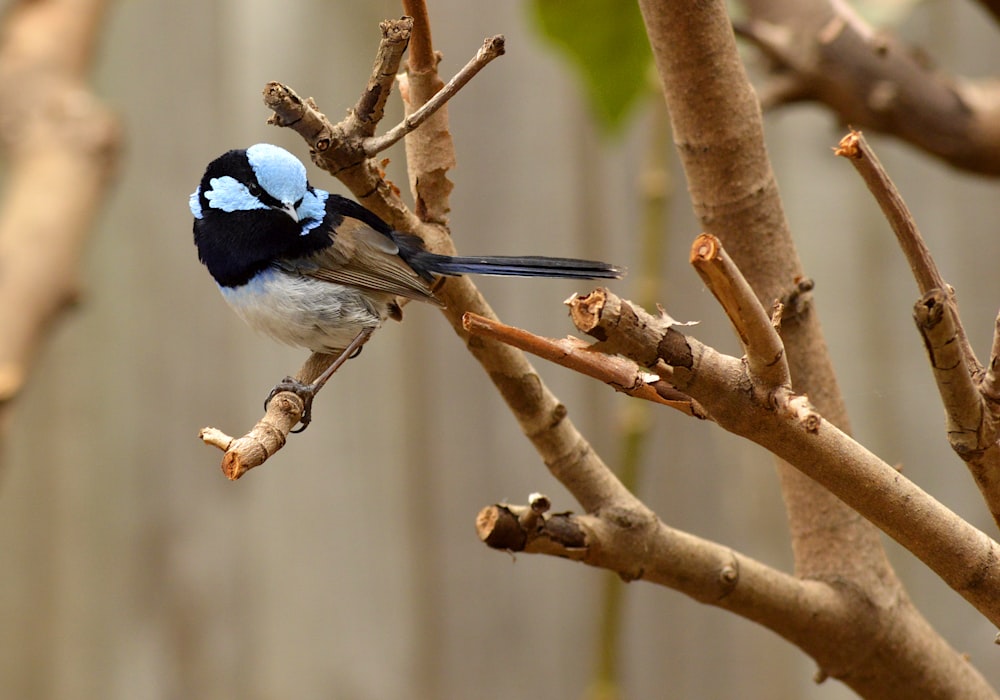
(430, 153)
(270, 433)
(493, 47)
(765, 352)
(339, 149)
(735, 195)
(964, 557)
(638, 546)
(543, 419)
(47, 51)
(822, 51)
(854, 147)
(972, 412)
(617, 372)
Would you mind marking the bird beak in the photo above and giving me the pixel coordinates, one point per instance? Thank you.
(289, 208)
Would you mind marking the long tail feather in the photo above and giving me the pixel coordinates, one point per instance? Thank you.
(518, 266)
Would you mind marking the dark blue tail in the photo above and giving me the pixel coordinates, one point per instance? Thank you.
(514, 266)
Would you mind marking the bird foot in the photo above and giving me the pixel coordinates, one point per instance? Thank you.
(306, 392)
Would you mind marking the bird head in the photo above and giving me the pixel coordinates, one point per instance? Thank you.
(253, 206)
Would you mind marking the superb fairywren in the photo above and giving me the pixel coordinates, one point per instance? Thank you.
(315, 269)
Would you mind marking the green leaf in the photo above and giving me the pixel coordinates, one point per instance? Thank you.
(605, 42)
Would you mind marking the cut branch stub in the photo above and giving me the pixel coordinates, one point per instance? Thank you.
(757, 333)
(517, 528)
(618, 329)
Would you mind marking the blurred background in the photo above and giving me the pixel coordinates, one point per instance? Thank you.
(348, 565)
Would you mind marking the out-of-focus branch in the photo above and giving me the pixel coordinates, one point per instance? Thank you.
(992, 6)
(820, 50)
(56, 137)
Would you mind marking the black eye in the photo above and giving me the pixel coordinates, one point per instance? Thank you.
(255, 189)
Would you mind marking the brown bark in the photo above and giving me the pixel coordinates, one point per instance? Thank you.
(821, 51)
(719, 135)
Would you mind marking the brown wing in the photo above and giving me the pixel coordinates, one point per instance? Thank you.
(363, 257)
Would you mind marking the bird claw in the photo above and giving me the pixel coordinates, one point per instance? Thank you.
(306, 392)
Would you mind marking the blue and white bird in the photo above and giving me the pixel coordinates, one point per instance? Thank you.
(317, 270)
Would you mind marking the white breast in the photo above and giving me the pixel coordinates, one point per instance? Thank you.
(306, 312)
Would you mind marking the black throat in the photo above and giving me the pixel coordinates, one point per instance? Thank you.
(237, 245)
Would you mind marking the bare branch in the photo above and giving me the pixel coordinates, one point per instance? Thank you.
(822, 51)
(430, 153)
(370, 109)
(971, 409)
(801, 611)
(615, 371)
(492, 48)
(961, 555)
(765, 352)
(284, 410)
(855, 148)
(639, 546)
(961, 397)
(339, 148)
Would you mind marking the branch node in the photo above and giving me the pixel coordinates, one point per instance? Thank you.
(729, 576)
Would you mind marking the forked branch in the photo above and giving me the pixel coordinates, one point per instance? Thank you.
(787, 425)
(969, 395)
(344, 149)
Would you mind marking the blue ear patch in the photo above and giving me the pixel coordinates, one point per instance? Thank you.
(194, 202)
(312, 211)
(229, 194)
(280, 173)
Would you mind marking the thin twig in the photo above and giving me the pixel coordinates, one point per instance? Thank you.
(617, 372)
(855, 148)
(492, 48)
